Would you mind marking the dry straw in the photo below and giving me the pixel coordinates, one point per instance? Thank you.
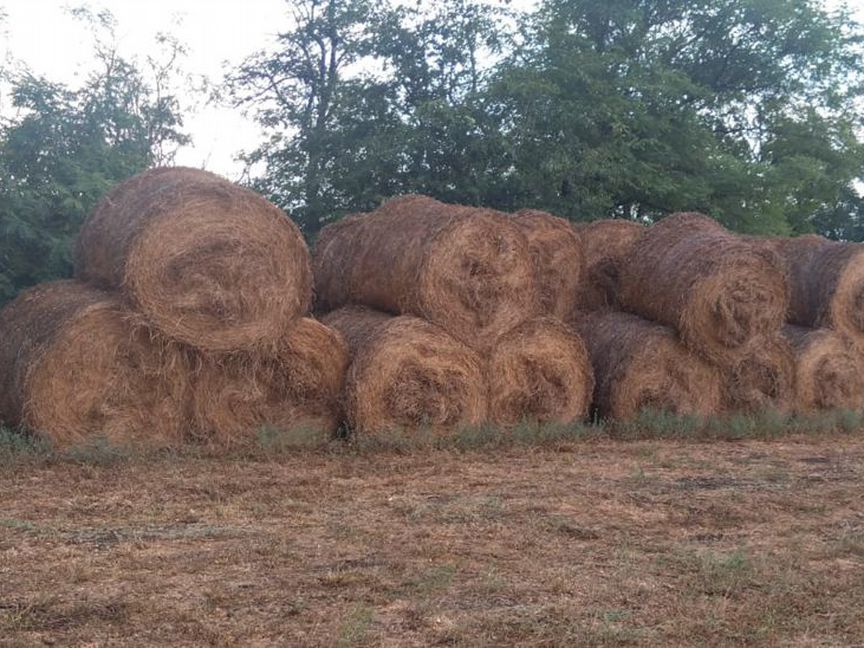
(717, 289)
(407, 374)
(296, 388)
(207, 262)
(540, 372)
(559, 263)
(827, 284)
(465, 269)
(761, 376)
(606, 244)
(640, 365)
(829, 371)
(75, 368)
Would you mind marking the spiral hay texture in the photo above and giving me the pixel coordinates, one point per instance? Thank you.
(207, 262)
(640, 365)
(75, 368)
(540, 372)
(606, 243)
(465, 269)
(559, 264)
(715, 288)
(407, 374)
(827, 284)
(829, 371)
(296, 388)
(761, 376)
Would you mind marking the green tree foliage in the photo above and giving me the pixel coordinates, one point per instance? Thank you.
(745, 109)
(64, 148)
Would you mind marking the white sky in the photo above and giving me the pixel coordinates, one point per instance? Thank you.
(45, 37)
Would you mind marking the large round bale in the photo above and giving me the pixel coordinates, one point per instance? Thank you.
(827, 284)
(640, 365)
(540, 372)
(717, 289)
(207, 262)
(606, 243)
(75, 368)
(829, 371)
(407, 374)
(761, 376)
(559, 262)
(465, 269)
(292, 390)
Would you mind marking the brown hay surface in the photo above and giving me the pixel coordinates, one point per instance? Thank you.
(207, 262)
(717, 289)
(829, 370)
(640, 365)
(465, 269)
(559, 262)
(540, 372)
(827, 284)
(75, 366)
(760, 377)
(296, 388)
(407, 374)
(606, 243)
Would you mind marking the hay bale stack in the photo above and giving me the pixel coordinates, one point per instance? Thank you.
(717, 289)
(207, 262)
(559, 262)
(465, 269)
(606, 243)
(407, 373)
(827, 284)
(540, 372)
(76, 367)
(761, 376)
(829, 371)
(640, 365)
(295, 388)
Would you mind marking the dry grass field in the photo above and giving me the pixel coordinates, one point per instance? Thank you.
(589, 541)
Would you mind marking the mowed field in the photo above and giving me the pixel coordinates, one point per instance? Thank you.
(601, 542)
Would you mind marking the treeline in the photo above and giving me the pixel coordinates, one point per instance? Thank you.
(749, 110)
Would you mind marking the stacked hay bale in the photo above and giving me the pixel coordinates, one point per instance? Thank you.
(606, 243)
(469, 273)
(205, 282)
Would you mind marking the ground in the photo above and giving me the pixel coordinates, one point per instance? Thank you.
(595, 541)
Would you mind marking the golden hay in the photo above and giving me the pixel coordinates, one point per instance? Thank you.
(297, 387)
(407, 374)
(827, 284)
(558, 258)
(465, 269)
(829, 371)
(75, 367)
(717, 289)
(760, 376)
(207, 262)
(540, 372)
(640, 365)
(606, 244)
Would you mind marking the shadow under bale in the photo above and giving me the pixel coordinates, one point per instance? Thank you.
(77, 367)
(207, 262)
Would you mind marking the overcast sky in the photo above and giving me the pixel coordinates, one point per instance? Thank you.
(43, 35)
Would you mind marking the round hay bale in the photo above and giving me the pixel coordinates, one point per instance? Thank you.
(829, 371)
(207, 262)
(407, 374)
(465, 269)
(76, 367)
(540, 372)
(605, 244)
(827, 284)
(296, 389)
(640, 365)
(760, 377)
(717, 289)
(559, 262)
